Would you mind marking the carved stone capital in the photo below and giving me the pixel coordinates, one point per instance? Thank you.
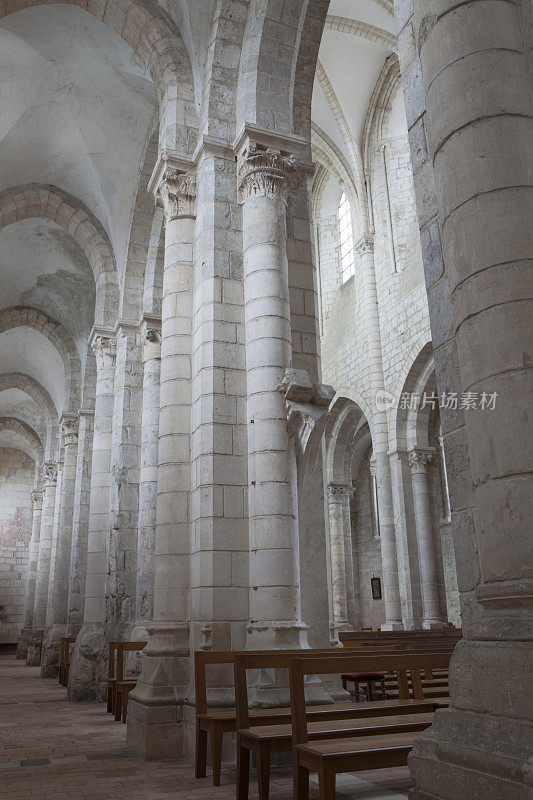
(419, 460)
(37, 500)
(364, 245)
(372, 467)
(264, 171)
(69, 430)
(337, 492)
(151, 339)
(50, 473)
(176, 193)
(105, 350)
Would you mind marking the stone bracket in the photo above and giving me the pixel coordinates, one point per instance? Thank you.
(307, 405)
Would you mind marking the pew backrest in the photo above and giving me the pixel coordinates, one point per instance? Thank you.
(401, 664)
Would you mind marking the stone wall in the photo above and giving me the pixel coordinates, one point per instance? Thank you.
(16, 484)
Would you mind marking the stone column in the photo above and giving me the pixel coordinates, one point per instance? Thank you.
(88, 666)
(433, 615)
(80, 524)
(275, 610)
(469, 108)
(42, 577)
(124, 484)
(337, 499)
(380, 442)
(154, 730)
(26, 633)
(144, 592)
(56, 621)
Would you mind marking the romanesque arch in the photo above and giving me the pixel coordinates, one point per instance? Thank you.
(49, 202)
(20, 316)
(37, 392)
(31, 443)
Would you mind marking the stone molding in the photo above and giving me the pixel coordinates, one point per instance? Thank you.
(69, 431)
(419, 460)
(37, 499)
(50, 473)
(307, 406)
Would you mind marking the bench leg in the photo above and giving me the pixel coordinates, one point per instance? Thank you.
(216, 752)
(300, 781)
(243, 772)
(109, 699)
(263, 772)
(125, 698)
(201, 752)
(326, 782)
(117, 704)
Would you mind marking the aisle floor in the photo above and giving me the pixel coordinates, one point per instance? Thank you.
(54, 750)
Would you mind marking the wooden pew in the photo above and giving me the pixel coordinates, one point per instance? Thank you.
(214, 723)
(64, 658)
(330, 721)
(329, 756)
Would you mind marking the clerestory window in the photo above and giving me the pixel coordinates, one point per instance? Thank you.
(346, 239)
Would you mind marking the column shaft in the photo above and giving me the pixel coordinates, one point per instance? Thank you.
(380, 441)
(43, 561)
(432, 609)
(144, 592)
(56, 623)
(153, 727)
(337, 496)
(33, 556)
(80, 524)
(275, 612)
(87, 672)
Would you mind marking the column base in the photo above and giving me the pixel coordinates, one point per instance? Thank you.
(265, 690)
(155, 718)
(468, 756)
(51, 650)
(276, 635)
(434, 624)
(394, 625)
(33, 656)
(23, 643)
(87, 677)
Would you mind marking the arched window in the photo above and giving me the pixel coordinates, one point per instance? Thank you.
(346, 238)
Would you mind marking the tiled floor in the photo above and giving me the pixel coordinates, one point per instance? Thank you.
(54, 750)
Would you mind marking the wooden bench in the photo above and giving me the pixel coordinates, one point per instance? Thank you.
(118, 686)
(335, 720)
(64, 658)
(328, 756)
(212, 724)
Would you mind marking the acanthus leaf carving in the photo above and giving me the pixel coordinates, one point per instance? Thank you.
(177, 194)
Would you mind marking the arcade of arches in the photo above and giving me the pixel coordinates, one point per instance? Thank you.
(263, 338)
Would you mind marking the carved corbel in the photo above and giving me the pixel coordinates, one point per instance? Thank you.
(307, 405)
